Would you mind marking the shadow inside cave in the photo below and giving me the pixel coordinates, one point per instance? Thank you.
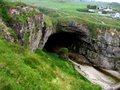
(68, 40)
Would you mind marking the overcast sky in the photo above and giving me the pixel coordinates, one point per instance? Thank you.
(110, 0)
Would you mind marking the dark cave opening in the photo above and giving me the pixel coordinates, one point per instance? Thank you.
(70, 40)
(73, 41)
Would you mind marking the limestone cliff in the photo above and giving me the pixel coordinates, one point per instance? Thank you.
(31, 27)
(100, 46)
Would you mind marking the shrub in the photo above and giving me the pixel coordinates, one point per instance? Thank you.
(4, 14)
(82, 10)
(104, 12)
(91, 6)
(63, 52)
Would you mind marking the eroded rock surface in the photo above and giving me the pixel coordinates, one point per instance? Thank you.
(5, 32)
(101, 47)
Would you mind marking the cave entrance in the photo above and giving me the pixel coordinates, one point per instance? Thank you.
(70, 40)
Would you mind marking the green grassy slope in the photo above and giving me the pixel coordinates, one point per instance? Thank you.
(20, 69)
(69, 10)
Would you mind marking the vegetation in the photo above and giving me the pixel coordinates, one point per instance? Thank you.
(20, 69)
(91, 6)
(116, 6)
(4, 12)
(63, 52)
(75, 10)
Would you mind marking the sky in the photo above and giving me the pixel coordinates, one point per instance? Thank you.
(110, 0)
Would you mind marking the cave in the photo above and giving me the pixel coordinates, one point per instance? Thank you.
(70, 40)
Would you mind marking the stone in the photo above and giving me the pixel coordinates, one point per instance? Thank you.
(118, 65)
(103, 50)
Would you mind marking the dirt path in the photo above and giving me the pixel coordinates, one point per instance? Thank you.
(108, 81)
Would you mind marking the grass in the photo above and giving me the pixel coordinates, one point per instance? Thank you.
(20, 69)
(68, 10)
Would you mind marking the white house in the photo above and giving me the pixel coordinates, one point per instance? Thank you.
(108, 9)
(99, 12)
(91, 10)
(117, 15)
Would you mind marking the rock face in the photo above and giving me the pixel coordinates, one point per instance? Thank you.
(101, 48)
(30, 26)
(38, 30)
(107, 45)
(5, 32)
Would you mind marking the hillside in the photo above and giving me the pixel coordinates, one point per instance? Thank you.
(22, 69)
(78, 10)
(39, 38)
